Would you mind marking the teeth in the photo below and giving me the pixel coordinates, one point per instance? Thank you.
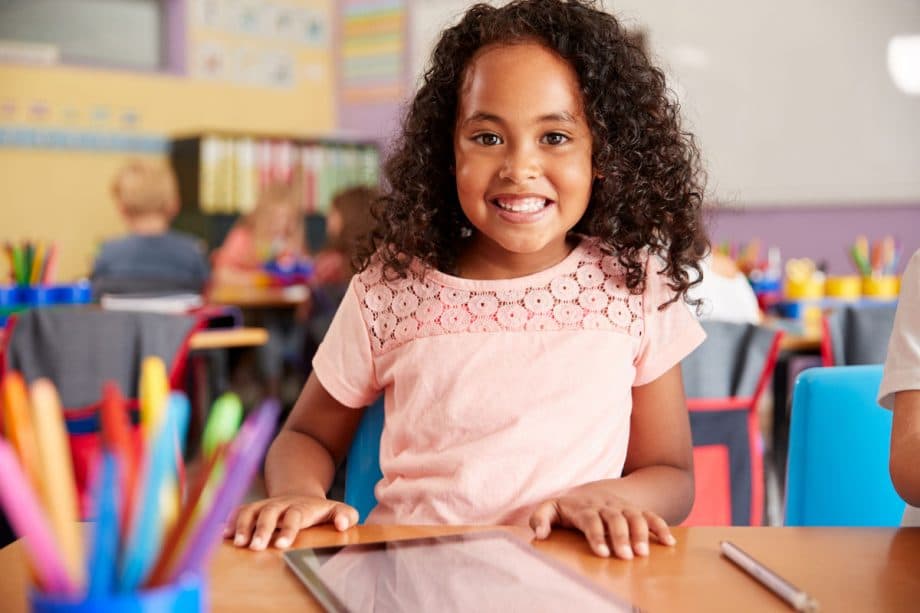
(522, 205)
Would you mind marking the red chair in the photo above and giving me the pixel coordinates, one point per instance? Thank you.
(724, 380)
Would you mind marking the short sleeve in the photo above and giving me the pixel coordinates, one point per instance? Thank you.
(669, 334)
(902, 365)
(343, 362)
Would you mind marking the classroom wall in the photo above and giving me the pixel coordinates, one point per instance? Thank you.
(65, 129)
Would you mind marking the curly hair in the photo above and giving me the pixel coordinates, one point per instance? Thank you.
(647, 198)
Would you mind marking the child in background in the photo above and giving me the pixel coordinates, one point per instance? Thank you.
(521, 302)
(724, 292)
(348, 222)
(151, 257)
(274, 229)
(900, 391)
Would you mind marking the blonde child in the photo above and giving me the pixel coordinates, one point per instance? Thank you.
(274, 229)
(151, 257)
(900, 391)
(521, 303)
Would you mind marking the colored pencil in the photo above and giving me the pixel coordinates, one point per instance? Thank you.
(60, 492)
(243, 457)
(28, 519)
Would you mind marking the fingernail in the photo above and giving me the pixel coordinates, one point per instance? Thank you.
(239, 539)
(542, 532)
(642, 549)
(625, 552)
(670, 540)
(256, 543)
(341, 523)
(283, 542)
(603, 550)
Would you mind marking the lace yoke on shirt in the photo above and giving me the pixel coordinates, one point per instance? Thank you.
(592, 295)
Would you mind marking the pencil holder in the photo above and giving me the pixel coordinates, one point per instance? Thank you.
(810, 288)
(848, 287)
(187, 595)
(883, 287)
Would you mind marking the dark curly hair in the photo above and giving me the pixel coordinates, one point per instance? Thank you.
(648, 197)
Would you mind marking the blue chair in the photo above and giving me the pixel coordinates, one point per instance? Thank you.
(362, 468)
(838, 451)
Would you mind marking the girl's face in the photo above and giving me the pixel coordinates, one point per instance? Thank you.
(522, 149)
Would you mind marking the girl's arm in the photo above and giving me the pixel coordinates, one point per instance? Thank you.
(657, 483)
(905, 446)
(299, 469)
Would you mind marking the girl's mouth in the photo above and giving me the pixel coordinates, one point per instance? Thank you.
(530, 204)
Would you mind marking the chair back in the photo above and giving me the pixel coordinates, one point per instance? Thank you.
(724, 379)
(79, 348)
(857, 334)
(837, 471)
(362, 467)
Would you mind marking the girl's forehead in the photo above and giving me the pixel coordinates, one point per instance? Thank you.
(525, 72)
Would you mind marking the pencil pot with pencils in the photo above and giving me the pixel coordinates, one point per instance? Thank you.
(186, 595)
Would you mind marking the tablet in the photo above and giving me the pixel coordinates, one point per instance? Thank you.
(477, 571)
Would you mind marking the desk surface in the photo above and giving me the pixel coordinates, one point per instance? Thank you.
(222, 338)
(254, 297)
(846, 569)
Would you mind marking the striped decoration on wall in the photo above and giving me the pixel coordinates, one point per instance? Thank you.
(373, 51)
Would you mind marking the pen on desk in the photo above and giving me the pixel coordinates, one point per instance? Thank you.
(796, 598)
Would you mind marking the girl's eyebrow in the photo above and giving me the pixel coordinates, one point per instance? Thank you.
(563, 116)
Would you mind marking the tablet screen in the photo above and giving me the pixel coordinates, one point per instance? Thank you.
(478, 571)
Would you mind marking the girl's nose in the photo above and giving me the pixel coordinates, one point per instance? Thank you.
(520, 165)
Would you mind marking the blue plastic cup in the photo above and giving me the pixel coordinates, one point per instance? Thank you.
(71, 293)
(187, 595)
(11, 296)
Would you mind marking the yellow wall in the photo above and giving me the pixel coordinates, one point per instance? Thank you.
(62, 195)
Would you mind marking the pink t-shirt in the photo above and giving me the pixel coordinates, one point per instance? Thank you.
(500, 394)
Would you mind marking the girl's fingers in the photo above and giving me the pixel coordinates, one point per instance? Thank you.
(618, 531)
(344, 516)
(543, 518)
(265, 524)
(638, 531)
(288, 526)
(245, 523)
(589, 521)
(660, 529)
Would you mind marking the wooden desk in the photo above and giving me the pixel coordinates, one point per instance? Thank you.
(217, 338)
(224, 338)
(846, 569)
(255, 297)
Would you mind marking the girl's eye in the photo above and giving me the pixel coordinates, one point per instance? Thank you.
(488, 139)
(555, 138)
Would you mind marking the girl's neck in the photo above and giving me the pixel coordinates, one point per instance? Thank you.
(484, 260)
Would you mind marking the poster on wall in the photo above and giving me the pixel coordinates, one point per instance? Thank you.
(257, 43)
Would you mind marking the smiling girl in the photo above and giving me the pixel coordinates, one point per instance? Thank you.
(522, 302)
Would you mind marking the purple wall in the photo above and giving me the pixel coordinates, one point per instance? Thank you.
(821, 233)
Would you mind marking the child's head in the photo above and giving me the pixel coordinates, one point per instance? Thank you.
(146, 191)
(349, 219)
(584, 121)
(277, 222)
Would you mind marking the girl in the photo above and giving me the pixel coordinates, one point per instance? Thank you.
(272, 230)
(521, 302)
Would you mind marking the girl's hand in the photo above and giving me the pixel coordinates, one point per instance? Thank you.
(602, 516)
(254, 524)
